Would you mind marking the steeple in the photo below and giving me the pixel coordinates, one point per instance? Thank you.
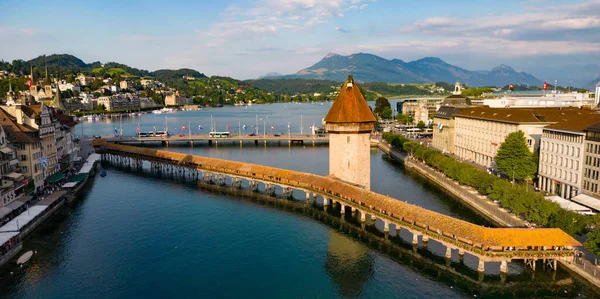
(47, 80)
(58, 102)
(9, 87)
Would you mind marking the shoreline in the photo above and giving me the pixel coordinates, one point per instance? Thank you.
(478, 205)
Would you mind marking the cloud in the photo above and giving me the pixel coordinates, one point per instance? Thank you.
(342, 30)
(272, 17)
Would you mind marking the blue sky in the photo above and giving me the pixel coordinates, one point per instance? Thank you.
(246, 39)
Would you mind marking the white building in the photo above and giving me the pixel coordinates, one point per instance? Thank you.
(85, 80)
(63, 85)
(549, 99)
(562, 155)
(479, 131)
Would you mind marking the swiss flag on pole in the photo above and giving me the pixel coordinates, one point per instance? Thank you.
(183, 127)
(545, 85)
(272, 128)
(29, 82)
(511, 86)
(137, 129)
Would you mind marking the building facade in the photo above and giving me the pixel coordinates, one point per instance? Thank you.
(562, 156)
(479, 131)
(117, 102)
(13, 183)
(591, 165)
(27, 145)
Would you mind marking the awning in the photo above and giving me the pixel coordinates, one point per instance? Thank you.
(14, 175)
(4, 211)
(15, 204)
(17, 224)
(77, 159)
(78, 178)
(587, 201)
(69, 185)
(6, 150)
(55, 177)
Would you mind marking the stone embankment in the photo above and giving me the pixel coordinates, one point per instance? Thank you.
(485, 207)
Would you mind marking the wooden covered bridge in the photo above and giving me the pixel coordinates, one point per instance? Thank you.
(488, 244)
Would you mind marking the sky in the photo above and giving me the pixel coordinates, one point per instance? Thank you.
(247, 39)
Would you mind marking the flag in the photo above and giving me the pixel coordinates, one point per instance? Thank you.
(227, 127)
(244, 127)
(199, 128)
(288, 125)
(29, 82)
(154, 129)
(272, 128)
(57, 166)
(545, 85)
(511, 87)
(116, 131)
(182, 128)
(26, 182)
(138, 129)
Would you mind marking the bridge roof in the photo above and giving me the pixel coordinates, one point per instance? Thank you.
(350, 106)
(504, 237)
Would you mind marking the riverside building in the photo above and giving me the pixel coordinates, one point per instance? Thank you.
(479, 131)
(561, 161)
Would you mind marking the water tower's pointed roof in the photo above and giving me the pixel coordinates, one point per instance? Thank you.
(350, 106)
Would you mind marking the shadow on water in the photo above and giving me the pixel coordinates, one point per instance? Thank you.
(351, 267)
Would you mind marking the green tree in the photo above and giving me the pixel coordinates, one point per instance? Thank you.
(380, 104)
(421, 125)
(101, 107)
(387, 113)
(593, 241)
(404, 119)
(97, 84)
(514, 158)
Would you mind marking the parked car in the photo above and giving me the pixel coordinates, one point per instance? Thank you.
(277, 134)
(252, 134)
(97, 137)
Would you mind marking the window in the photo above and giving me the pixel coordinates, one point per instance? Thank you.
(24, 169)
(348, 141)
(23, 158)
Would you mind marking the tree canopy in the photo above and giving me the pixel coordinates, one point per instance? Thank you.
(380, 104)
(514, 158)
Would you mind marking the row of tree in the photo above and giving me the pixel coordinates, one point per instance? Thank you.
(529, 205)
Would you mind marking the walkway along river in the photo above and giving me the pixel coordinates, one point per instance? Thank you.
(487, 208)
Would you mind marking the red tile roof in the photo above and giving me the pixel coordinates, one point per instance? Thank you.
(350, 106)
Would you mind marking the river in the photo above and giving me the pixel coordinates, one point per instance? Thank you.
(140, 236)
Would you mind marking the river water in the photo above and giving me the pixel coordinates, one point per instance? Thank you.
(135, 235)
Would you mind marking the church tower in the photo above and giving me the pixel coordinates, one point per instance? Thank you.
(32, 84)
(10, 100)
(349, 123)
(47, 85)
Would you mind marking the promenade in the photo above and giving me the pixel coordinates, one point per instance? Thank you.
(487, 208)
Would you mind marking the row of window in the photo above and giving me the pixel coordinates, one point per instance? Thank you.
(563, 136)
(592, 161)
(559, 173)
(592, 174)
(592, 148)
(589, 186)
(562, 149)
(560, 161)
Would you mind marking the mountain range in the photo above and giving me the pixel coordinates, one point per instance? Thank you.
(372, 68)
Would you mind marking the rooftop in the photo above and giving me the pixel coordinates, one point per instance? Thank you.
(525, 115)
(350, 106)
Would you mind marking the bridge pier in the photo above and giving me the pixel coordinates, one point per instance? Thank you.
(342, 208)
(448, 253)
(363, 217)
(461, 255)
(425, 240)
(325, 201)
(504, 267)
(481, 266)
(386, 227)
(415, 240)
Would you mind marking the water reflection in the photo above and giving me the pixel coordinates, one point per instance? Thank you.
(349, 265)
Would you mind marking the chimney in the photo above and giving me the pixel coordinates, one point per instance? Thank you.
(19, 113)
